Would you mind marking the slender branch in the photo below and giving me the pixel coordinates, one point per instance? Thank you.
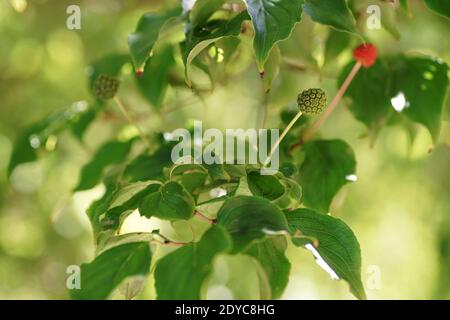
(316, 125)
(171, 243)
(277, 143)
(205, 218)
(169, 108)
(131, 121)
(167, 242)
(293, 64)
(262, 114)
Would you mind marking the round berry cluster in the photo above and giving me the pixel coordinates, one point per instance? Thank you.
(312, 101)
(106, 87)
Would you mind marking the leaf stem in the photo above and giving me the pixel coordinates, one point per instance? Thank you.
(167, 242)
(131, 121)
(316, 125)
(262, 114)
(205, 218)
(277, 143)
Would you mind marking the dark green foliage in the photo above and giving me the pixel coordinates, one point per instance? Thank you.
(235, 208)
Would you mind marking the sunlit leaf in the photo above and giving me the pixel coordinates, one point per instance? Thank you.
(147, 33)
(114, 152)
(182, 273)
(124, 201)
(335, 242)
(335, 44)
(334, 13)
(389, 19)
(203, 9)
(200, 37)
(273, 21)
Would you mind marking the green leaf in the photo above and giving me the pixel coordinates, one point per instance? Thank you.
(288, 169)
(23, 151)
(440, 7)
(273, 21)
(199, 38)
(217, 172)
(107, 213)
(153, 83)
(336, 244)
(124, 201)
(328, 165)
(85, 119)
(420, 81)
(110, 65)
(270, 254)
(405, 5)
(101, 205)
(389, 19)
(34, 139)
(334, 13)
(170, 202)
(266, 186)
(181, 274)
(114, 152)
(203, 9)
(100, 277)
(272, 68)
(291, 197)
(149, 29)
(191, 176)
(235, 170)
(249, 219)
(149, 167)
(373, 82)
(423, 81)
(336, 43)
(193, 181)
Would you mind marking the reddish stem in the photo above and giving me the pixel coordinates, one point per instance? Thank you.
(316, 125)
(205, 218)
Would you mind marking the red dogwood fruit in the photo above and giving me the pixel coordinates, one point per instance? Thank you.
(366, 54)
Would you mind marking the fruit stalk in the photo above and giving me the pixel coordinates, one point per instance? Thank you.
(313, 129)
(283, 134)
(127, 116)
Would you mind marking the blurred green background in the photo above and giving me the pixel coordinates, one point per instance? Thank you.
(399, 208)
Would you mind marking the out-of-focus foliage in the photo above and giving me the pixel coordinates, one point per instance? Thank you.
(398, 207)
